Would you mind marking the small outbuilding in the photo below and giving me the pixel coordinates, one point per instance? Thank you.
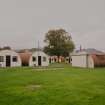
(9, 58)
(25, 57)
(56, 59)
(39, 58)
(68, 60)
(89, 58)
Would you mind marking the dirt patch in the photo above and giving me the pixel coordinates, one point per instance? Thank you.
(33, 87)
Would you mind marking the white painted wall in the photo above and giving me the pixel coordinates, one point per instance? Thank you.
(82, 61)
(79, 61)
(36, 54)
(10, 53)
(90, 62)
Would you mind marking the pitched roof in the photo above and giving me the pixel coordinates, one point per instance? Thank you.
(88, 51)
(93, 51)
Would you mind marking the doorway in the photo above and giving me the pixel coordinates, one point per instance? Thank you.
(8, 61)
(39, 61)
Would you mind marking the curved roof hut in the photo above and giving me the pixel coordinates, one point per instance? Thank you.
(89, 58)
(99, 60)
(9, 58)
(39, 58)
(25, 57)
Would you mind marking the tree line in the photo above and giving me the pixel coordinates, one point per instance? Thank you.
(58, 43)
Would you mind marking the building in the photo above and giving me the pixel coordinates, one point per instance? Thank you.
(25, 57)
(56, 59)
(88, 58)
(39, 58)
(68, 60)
(9, 58)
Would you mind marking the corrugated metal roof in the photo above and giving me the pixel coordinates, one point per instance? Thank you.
(25, 57)
(93, 51)
(99, 60)
(88, 51)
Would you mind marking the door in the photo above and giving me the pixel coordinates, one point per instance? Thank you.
(39, 61)
(69, 60)
(8, 61)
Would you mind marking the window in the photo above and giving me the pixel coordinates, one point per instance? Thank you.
(15, 59)
(44, 59)
(1, 59)
(33, 59)
(67, 59)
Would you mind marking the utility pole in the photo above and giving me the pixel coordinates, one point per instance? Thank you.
(38, 47)
(80, 48)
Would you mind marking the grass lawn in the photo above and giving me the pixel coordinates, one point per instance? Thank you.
(60, 86)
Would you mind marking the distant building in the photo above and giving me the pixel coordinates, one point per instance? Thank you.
(88, 58)
(9, 58)
(25, 57)
(68, 60)
(36, 58)
(39, 58)
(56, 59)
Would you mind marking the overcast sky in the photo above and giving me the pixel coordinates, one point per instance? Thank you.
(24, 22)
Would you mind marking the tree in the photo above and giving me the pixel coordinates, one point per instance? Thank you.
(6, 48)
(59, 43)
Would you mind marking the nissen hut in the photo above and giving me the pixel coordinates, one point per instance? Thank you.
(39, 58)
(89, 58)
(9, 58)
(35, 58)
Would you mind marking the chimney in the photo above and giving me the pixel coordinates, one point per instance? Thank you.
(80, 48)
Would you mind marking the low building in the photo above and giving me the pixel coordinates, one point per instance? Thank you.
(88, 58)
(9, 58)
(35, 58)
(25, 57)
(68, 60)
(56, 59)
(39, 58)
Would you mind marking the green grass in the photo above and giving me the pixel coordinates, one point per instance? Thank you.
(67, 86)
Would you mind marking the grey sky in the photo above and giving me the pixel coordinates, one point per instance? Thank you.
(24, 22)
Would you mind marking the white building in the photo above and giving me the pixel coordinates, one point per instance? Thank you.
(89, 58)
(39, 58)
(9, 58)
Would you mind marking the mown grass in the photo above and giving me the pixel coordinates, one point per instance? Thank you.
(67, 86)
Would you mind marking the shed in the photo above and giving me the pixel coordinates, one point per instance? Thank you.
(39, 58)
(25, 57)
(88, 58)
(56, 59)
(9, 58)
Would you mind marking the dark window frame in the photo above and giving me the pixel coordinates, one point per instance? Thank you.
(34, 59)
(1, 58)
(15, 59)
